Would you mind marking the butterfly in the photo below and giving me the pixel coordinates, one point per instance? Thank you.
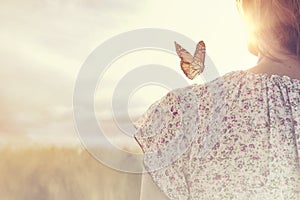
(192, 66)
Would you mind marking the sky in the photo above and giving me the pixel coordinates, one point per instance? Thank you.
(44, 44)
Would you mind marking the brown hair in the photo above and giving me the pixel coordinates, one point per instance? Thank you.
(275, 25)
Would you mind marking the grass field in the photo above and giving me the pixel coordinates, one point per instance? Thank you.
(61, 173)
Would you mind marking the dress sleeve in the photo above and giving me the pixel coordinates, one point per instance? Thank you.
(165, 133)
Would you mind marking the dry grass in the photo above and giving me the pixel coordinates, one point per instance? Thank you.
(61, 173)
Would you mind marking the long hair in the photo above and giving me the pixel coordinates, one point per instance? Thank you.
(275, 25)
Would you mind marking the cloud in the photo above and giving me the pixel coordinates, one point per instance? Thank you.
(43, 44)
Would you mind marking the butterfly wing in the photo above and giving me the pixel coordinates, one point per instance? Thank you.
(186, 59)
(192, 65)
(199, 57)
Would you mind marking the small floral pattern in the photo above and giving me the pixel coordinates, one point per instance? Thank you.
(236, 137)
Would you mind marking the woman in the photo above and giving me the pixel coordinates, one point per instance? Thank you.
(238, 136)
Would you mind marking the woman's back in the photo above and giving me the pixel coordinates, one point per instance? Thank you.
(246, 144)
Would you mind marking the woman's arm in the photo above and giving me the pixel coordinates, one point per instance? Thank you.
(149, 190)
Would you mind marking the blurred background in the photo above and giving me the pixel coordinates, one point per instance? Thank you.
(43, 44)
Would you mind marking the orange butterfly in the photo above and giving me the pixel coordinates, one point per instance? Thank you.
(192, 65)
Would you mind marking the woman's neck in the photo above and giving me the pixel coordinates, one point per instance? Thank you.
(287, 66)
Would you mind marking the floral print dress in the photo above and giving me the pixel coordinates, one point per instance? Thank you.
(236, 137)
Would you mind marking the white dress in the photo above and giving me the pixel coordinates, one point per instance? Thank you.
(236, 137)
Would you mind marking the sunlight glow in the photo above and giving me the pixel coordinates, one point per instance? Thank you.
(48, 56)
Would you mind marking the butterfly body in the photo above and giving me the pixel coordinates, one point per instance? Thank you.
(192, 66)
